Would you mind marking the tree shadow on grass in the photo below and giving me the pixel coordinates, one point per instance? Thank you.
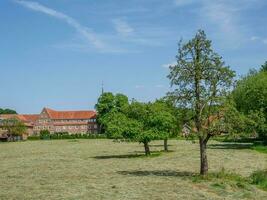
(230, 146)
(169, 173)
(159, 145)
(142, 155)
(118, 156)
(155, 152)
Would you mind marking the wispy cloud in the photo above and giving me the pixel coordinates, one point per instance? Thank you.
(139, 86)
(84, 31)
(122, 27)
(159, 86)
(254, 38)
(224, 16)
(259, 39)
(169, 64)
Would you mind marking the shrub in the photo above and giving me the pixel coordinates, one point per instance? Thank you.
(65, 135)
(45, 134)
(34, 137)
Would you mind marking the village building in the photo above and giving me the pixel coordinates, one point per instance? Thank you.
(73, 122)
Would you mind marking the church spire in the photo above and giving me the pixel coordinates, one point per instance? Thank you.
(102, 88)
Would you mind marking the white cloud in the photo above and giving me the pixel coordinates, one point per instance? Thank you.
(122, 27)
(88, 34)
(259, 39)
(223, 15)
(169, 64)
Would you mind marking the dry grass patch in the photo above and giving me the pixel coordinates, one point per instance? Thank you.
(102, 169)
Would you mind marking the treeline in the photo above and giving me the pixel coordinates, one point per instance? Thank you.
(7, 111)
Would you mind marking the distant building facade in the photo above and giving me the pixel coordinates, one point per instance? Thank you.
(73, 122)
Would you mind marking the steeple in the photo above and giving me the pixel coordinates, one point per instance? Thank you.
(102, 88)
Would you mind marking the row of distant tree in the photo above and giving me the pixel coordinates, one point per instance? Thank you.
(7, 111)
(204, 95)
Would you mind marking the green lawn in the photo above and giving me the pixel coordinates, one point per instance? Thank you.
(102, 169)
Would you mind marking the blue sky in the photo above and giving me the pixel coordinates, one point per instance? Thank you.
(56, 53)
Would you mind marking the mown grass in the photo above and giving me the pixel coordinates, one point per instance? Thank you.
(102, 169)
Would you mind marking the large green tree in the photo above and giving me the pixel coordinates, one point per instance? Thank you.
(250, 97)
(200, 80)
(109, 103)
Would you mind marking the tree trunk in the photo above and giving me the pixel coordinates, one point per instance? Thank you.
(203, 157)
(147, 150)
(165, 144)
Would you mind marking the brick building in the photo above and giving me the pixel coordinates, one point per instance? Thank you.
(73, 122)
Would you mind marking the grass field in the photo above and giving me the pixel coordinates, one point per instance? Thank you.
(102, 169)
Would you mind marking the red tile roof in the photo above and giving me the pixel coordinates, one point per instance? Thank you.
(28, 118)
(70, 114)
(23, 118)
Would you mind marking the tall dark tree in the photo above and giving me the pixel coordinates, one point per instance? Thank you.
(108, 103)
(264, 67)
(201, 81)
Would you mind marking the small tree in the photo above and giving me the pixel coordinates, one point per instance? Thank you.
(45, 134)
(201, 81)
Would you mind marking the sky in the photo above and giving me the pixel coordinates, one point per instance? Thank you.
(57, 53)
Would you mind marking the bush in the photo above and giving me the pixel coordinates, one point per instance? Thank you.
(66, 135)
(34, 137)
(259, 178)
(45, 134)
